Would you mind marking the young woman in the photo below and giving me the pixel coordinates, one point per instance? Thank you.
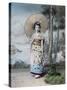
(37, 43)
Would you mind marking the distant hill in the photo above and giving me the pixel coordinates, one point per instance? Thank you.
(19, 65)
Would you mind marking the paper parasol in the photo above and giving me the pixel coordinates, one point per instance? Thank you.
(30, 22)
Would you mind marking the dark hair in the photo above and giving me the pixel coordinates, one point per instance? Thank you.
(37, 23)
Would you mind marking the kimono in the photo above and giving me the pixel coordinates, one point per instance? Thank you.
(37, 42)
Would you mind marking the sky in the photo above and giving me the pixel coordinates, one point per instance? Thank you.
(18, 8)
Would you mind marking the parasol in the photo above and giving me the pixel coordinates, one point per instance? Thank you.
(30, 22)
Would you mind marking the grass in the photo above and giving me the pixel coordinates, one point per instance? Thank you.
(55, 78)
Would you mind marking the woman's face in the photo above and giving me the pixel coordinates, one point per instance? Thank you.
(37, 27)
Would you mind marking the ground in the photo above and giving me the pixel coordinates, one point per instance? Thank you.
(23, 78)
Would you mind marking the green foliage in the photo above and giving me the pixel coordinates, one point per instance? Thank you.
(53, 73)
(58, 12)
(55, 78)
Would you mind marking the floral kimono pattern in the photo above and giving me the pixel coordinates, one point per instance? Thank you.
(37, 54)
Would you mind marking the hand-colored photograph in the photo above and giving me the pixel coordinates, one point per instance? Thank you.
(36, 45)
